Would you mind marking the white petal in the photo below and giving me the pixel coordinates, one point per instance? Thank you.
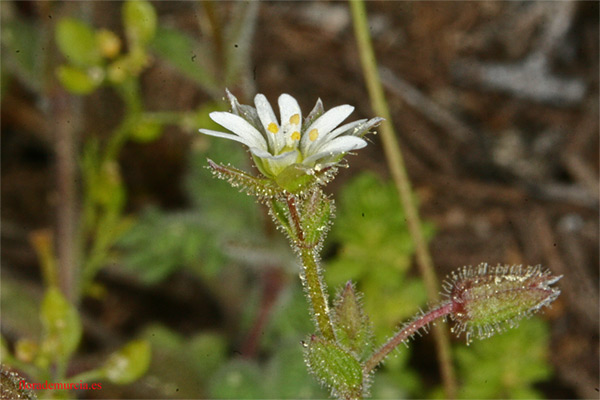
(324, 124)
(346, 128)
(241, 127)
(267, 116)
(337, 146)
(225, 135)
(288, 107)
(262, 153)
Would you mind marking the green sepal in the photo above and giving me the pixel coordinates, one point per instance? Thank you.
(262, 188)
(316, 216)
(129, 363)
(279, 212)
(352, 327)
(62, 326)
(335, 367)
(295, 178)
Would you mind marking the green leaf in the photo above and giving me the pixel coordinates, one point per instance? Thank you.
(62, 327)
(128, 364)
(286, 376)
(139, 19)
(186, 55)
(335, 367)
(160, 243)
(238, 380)
(77, 80)
(507, 365)
(352, 328)
(77, 41)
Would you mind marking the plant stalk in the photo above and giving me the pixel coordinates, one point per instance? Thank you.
(398, 171)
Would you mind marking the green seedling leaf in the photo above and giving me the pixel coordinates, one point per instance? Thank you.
(352, 327)
(62, 326)
(77, 41)
(335, 368)
(139, 19)
(128, 364)
(78, 80)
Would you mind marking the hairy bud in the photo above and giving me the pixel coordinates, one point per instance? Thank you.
(487, 299)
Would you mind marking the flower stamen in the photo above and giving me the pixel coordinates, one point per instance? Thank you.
(313, 135)
(273, 128)
(296, 135)
(295, 119)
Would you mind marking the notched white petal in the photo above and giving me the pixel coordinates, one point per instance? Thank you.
(337, 146)
(225, 135)
(240, 127)
(325, 123)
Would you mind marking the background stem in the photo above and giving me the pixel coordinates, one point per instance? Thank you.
(400, 177)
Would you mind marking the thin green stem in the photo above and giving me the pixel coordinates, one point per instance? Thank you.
(396, 165)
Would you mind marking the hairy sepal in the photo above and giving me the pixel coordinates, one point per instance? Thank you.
(335, 368)
(251, 185)
(352, 327)
(488, 299)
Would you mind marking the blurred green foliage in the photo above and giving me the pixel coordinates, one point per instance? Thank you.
(507, 365)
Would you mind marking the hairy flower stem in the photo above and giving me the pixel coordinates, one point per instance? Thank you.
(316, 293)
(404, 334)
(311, 279)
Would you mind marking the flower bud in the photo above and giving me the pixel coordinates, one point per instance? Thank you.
(487, 299)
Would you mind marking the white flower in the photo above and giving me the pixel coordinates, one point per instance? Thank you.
(275, 144)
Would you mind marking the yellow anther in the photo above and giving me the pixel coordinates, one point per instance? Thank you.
(273, 128)
(295, 119)
(313, 135)
(296, 135)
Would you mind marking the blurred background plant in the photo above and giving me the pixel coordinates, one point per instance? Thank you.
(148, 254)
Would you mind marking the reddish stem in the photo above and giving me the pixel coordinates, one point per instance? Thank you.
(405, 333)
